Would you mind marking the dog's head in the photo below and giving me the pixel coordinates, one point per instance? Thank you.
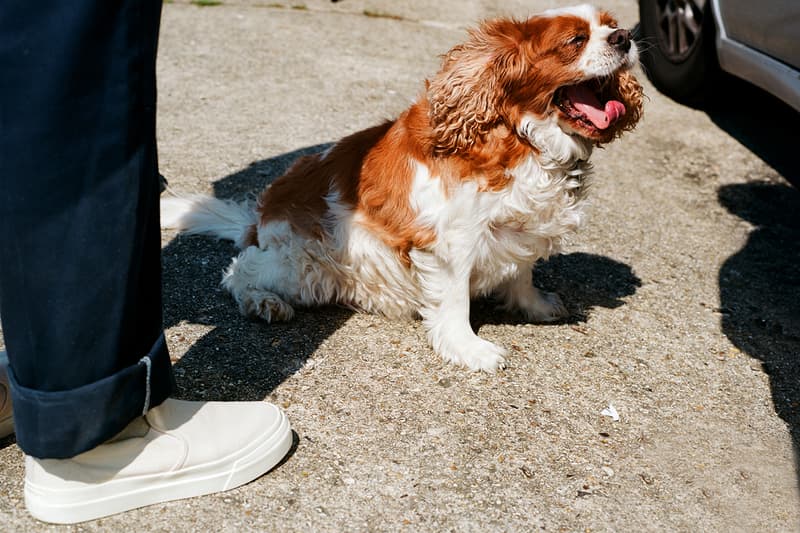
(561, 77)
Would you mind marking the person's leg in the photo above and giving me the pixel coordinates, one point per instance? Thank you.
(80, 287)
(80, 290)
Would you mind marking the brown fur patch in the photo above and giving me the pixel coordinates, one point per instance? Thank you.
(607, 19)
(371, 171)
(505, 69)
(250, 237)
(385, 187)
(299, 195)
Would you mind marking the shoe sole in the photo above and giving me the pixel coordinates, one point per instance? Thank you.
(104, 499)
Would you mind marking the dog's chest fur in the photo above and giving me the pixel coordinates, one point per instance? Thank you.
(496, 233)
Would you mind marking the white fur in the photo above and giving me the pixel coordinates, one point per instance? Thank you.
(598, 58)
(199, 214)
(559, 148)
(352, 268)
(585, 11)
(486, 241)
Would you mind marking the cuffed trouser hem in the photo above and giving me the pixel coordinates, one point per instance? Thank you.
(57, 425)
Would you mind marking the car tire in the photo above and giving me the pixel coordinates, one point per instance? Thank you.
(678, 53)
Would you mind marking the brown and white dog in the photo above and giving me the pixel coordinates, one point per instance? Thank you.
(482, 176)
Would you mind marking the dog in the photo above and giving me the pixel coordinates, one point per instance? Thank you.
(486, 173)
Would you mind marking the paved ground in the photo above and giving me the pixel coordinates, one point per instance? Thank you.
(683, 290)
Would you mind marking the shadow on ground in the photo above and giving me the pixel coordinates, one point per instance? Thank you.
(584, 281)
(760, 290)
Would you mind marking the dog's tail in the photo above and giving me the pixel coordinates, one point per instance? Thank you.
(206, 215)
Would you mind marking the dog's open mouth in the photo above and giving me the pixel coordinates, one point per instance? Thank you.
(586, 109)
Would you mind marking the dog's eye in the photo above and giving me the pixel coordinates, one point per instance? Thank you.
(578, 40)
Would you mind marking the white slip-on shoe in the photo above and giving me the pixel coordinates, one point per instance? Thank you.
(6, 414)
(178, 450)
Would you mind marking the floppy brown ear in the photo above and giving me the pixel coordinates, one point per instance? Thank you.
(462, 99)
(628, 90)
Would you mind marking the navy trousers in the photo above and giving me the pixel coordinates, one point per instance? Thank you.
(80, 269)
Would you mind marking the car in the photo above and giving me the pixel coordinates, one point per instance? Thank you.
(687, 44)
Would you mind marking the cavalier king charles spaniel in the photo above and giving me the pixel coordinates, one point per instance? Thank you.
(486, 173)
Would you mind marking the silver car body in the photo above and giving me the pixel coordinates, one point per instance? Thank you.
(760, 41)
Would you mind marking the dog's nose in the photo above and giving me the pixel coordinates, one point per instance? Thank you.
(620, 39)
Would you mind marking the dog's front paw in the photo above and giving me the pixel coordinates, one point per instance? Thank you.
(545, 307)
(476, 354)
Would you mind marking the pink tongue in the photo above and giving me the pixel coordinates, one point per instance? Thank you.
(587, 103)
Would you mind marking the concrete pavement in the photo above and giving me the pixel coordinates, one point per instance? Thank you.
(682, 289)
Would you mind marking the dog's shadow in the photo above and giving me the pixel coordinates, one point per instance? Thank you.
(583, 281)
(235, 358)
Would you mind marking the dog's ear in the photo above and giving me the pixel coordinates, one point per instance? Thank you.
(626, 88)
(462, 98)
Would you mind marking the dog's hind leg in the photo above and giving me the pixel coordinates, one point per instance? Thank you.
(260, 280)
